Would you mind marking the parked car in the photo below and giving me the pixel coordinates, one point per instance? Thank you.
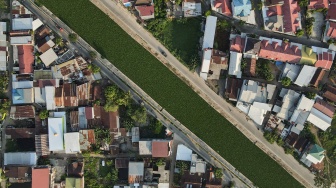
(163, 53)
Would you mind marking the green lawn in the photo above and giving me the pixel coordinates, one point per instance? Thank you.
(181, 37)
(168, 90)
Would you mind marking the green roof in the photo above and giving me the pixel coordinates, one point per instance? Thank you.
(308, 56)
(317, 152)
(73, 183)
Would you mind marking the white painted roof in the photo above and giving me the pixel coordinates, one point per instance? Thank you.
(36, 24)
(22, 24)
(20, 40)
(49, 97)
(270, 91)
(82, 121)
(20, 158)
(183, 153)
(291, 71)
(3, 27)
(145, 147)
(209, 33)
(319, 119)
(305, 76)
(71, 141)
(135, 134)
(288, 101)
(235, 64)
(206, 63)
(258, 111)
(136, 168)
(48, 57)
(22, 84)
(55, 132)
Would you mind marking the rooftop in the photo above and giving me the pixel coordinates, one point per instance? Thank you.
(237, 43)
(26, 58)
(71, 141)
(324, 107)
(20, 158)
(22, 112)
(183, 153)
(305, 76)
(161, 148)
(135, 172)
(319, 119)
(308, 56)
(318, 4)
(330, 93)
(317, 78)
(15, 133)
(48, 57)
(145, 11)
(241, 8)
(145, 147)
(40, 177)
(56, 132)
(86, 138)
(22, 24)
(223, 6)
(209, 33)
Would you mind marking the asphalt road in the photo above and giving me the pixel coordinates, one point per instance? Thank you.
(247, 127)
(234, 115)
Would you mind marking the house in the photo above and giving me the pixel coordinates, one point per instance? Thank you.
(82, 121)
(232, 88)
(86, 139)
(291, 71)
(42, 145)
(70, 69)
(135, 172)
(222, 6)
(330, 93)
(135, 134)
(314, 155)
(22, 24)
(83, 93)
(42, 177)
(252, 91)
(318, 4)
(48, 57)
(257, 112)
(145, 11)
(301, 113)
(285, 109)
(145, 147)
(56, 130)
(324, 107)
(44, 90)
(282, 16)
(235, 64)
(308, 56)
(121, 163)
(197, 165)
(15, 133)
(251, 48)
(69, 95)
(241, 8)
(250, 68)
(209, 33)
(71, 143)
(18, 8)
(20, 158)
(305, 76)
(192, 8)
(21, 40)
(18, 174)
(331, 15)
(319, 119)
(183, 153)
(237, 43)
(317, 78)
(325, 57)
(42, 32)
(22, 112)
(44, 44)
(330, 31)
(26, 58)
(206, 63)
(74, 182)
(278, 50)
(75, 169)
(161, 148)
(23, 96)
(214, 61)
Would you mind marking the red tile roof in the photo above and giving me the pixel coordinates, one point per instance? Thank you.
(26, 58)
(15, 133)
(109, 119)
(89, 113)
(237, 44)
(274, 10)
(324, 60)
(317, 4)
(224, 5)
(330, 93)
(160, 148)
(145, 10)
(318, 76)
(40, 178)
(332, 29)
(331, 15)
(290, 10)
(284, 53)
(324, 107)
(22, 112)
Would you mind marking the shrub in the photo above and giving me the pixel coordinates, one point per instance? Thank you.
(286, 81)
(207, 13)
(310, 95)
(44, 114)
(299, 33)
(73, 37)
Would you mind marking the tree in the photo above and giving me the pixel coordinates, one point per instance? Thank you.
(93, 54)
(310, 95)
(44, 114)
(223, 24)
(207, 13)
(286, 81)
(269, 77)
(160, 162)
(137, 113)
(93, 68)
(299, 33)
(110, 107)
(59, 41)
(270, 137)
(218, 173)
(128, 124)
(115, 97)
(330, 41)
(73, 37)
(260, 5)
(289, 150)
(303, 3)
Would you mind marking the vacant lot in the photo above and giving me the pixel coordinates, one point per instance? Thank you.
(181, 36)
(168, 90)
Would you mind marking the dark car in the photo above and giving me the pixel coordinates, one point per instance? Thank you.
(164, 53)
